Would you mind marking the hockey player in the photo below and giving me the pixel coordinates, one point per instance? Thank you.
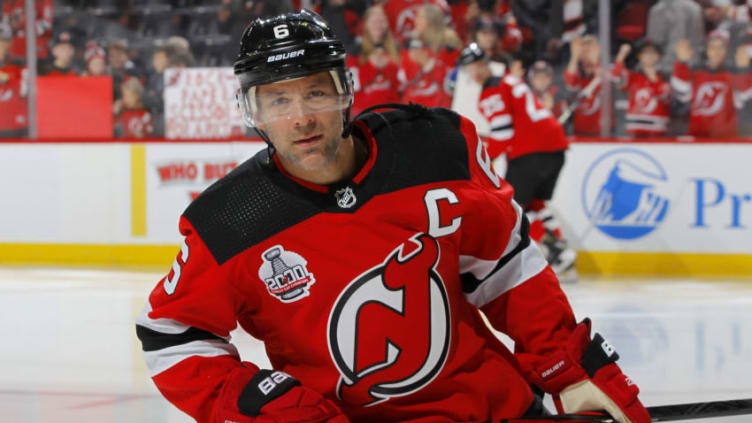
(534, 142)
(713, 91)
(362, 253)
(649, 95)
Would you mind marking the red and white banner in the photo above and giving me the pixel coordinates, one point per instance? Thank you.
(200, 104)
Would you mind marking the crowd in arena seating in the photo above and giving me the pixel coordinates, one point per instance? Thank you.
(679, 67)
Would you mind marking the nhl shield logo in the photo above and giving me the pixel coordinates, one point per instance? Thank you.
(345, 197)
(285, 274)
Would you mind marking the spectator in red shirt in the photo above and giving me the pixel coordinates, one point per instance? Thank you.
(713, 90)
(132, 120)
(649, 94)
(14, 15)
(374, 68)
(13, 120)
(431, 29)
(583, 75)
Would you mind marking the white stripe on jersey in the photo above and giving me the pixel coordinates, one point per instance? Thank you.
(161, 360)
(681, 86)
(502, 135)
(522, 266)
(500, 120)
(162, 325)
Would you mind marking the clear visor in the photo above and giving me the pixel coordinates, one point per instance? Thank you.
(285, 102)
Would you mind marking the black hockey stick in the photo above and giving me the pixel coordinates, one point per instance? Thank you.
(661, 413)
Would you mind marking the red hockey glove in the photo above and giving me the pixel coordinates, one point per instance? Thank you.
(584, 377)
(269, 396)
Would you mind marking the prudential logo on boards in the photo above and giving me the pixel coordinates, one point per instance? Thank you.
(622, 193)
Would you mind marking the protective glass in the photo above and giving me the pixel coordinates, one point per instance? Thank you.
(265, 109)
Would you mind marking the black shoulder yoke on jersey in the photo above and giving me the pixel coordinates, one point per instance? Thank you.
(255, 201)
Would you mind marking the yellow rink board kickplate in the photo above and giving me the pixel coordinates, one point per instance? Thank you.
(588, 262)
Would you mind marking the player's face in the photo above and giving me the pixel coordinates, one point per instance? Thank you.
(479, 71)
(716, 52)
(649, 57)
(305, 131)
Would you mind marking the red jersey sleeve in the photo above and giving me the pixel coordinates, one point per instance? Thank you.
(185, 331)
(681, 82)
(505, 274)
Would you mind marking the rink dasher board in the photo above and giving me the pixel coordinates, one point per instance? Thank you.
(685, 207)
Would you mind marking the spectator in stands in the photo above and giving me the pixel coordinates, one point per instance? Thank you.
(583, 76)
(14, 15)
(649, 94)
(402, 15)
(422, 76)
(121, 66)
(428, 59)
(712, 89)
(431, 30)
(540, 77)
(154, 89)
(343, 17)
(13, 121)
(63, 53)
(132, 120)
(672, 20)
(554, 23)
(215, 39)
(374, 68)
(96, 60)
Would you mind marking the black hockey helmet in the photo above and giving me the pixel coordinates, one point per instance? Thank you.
(471, 54)
(289, 46)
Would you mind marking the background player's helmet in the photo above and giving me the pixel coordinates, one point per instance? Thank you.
(470, 54)
(289, 46)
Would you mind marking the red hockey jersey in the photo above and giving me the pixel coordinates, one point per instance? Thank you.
(714, 96)
(426, 86)
(134, 123)
(14, 14)
(587, 116)
(649, 101)
(519, 123)
(368, 290)
(372, 85)
(13, 99)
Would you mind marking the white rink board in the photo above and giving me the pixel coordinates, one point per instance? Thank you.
(705, 189)
(81, 192)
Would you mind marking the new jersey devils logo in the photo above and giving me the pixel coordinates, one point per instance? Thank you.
(645, 100)
(710, 98)
(389, 329)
